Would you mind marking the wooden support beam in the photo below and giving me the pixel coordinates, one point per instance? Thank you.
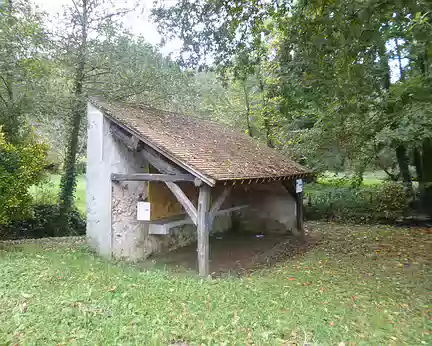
(184, 200)
(162, 165)
(217, 204)
(203, 230)
(151, 177)
(158, 162)
(299, 213)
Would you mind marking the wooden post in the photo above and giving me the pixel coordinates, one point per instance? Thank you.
(203, 230)
(299, 212)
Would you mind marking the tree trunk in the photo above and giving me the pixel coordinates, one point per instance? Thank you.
(249, 127)
(267, 126)
(399, 57)
(426, 197)
(68, 180)
(426, 194)
(419, 168)
(402, 159)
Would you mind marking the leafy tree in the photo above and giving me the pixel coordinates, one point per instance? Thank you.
(22, 38)
(327, 66)
(21, 166)
(73, 45)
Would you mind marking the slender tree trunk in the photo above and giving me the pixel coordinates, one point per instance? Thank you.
(267, 125)
(426, 192)
(402, 159)
(399, 57)
(401, 155)
(249, 127)
(427, 176)
(419, 167)
(68, 181)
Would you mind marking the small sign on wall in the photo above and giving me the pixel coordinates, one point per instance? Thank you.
(299, 185)
(143, 211)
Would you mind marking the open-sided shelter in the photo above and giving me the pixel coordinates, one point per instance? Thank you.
(195, 176)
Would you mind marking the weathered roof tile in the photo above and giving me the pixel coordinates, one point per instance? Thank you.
(214, 150)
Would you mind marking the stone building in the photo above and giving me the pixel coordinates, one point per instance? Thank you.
(158, 180)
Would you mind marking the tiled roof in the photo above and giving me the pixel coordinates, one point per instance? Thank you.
(213, 150)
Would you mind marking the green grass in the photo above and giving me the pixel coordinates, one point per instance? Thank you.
(359, 285)
(47, 192)
(369, 178)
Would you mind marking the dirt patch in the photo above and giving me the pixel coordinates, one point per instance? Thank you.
(235, 253)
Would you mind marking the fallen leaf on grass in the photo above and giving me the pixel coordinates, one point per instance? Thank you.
(24, 307)
(112, 289)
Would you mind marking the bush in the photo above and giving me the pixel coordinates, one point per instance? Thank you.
(44, 222)
(384, 202)
(21, 166)
(391, 200)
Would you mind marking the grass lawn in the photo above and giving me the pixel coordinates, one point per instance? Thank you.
(48, 191)
(359, 285)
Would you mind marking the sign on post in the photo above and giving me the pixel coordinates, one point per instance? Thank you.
(299, 185)
(143, 211)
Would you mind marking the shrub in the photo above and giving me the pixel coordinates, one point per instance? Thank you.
(384, 202)
(391, 200)
(21, 166)
(44, 222)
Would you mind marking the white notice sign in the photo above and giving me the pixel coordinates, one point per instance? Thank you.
(143, 211)
(299, 185)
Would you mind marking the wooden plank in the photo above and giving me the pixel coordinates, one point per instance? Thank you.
(218, 203)
(151, 177)
(184, 200)
(203, 230)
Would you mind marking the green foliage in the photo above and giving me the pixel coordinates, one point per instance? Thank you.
(391, 200)
(22, 75)
(47, 191)
(44, 222)
(324, 74)
(357, 285)
(81, 166)
(21, 166)
(340, 201)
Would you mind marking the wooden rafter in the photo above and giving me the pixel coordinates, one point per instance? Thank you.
(129, 140)
(158, 161)
(151, 177)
